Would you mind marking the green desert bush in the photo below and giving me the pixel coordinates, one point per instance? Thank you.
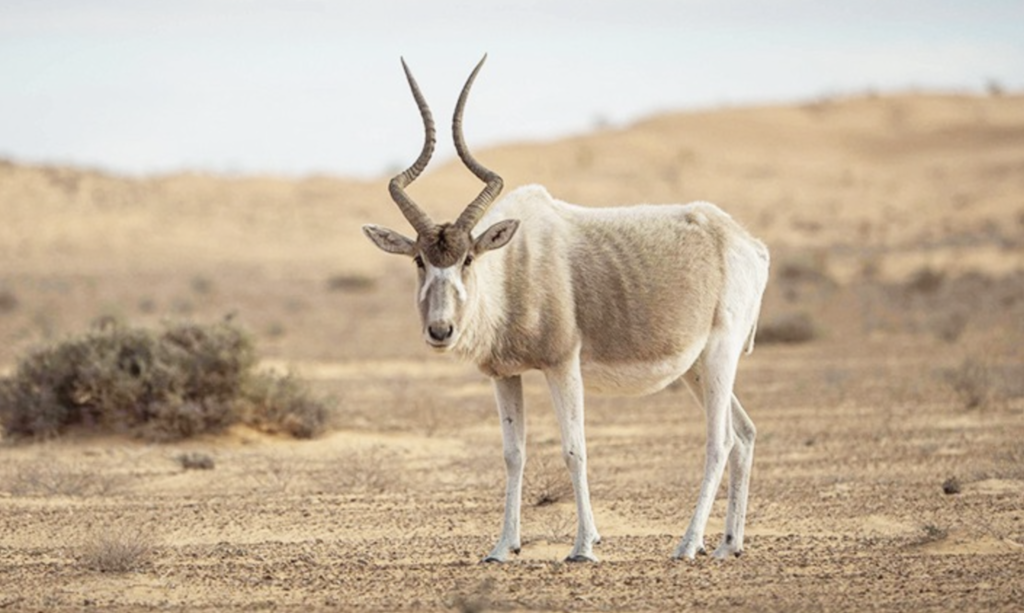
(180, 381)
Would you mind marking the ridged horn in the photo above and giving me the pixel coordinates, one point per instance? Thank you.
(420, 221)
(476, 209)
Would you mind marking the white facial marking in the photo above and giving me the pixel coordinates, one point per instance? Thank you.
(449, 274)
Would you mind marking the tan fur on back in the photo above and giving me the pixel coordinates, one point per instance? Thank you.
(632, 285)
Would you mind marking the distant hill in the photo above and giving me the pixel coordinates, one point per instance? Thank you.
(937, 177)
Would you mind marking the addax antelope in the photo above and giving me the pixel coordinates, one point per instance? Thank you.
(625, 300)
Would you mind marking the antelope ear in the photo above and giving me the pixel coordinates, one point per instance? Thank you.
(389, 240)
(497, 236)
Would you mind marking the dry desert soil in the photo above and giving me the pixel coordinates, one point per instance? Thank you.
(887, 385)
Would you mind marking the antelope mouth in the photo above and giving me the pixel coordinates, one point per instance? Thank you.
(441, 346)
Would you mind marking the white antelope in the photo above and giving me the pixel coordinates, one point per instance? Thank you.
(624, 299)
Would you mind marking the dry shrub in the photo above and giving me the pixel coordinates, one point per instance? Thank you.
(117, 549)
(950, 326)
(171, 384)
(8, 301)
(549, 482)
(558, 528)
(926, 281)
(282, 404)
(931, 533)
(195, 460)
(790, 328)
(972, 382)
(809, 267)
(350, 283)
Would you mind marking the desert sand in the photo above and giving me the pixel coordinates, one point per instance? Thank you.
(889, 468)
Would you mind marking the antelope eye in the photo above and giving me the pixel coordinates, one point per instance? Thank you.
(469, 260)
(419, 262)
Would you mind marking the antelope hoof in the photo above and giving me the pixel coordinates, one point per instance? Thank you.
(725, 552)
(690, 549)
(500, 554)
(581, 557)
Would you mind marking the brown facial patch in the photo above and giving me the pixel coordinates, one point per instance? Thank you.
(444, 245)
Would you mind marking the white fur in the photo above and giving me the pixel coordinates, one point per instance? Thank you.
(630, 298)
(556, 242)
(709, 364)
(450, 274)
(638, 378)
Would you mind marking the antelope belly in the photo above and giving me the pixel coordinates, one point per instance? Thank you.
(637, 378)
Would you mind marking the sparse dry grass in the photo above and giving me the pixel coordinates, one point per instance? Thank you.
(118, 549)
(59, 479)
(372, 471)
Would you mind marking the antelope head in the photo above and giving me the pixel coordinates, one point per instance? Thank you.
(444, 253)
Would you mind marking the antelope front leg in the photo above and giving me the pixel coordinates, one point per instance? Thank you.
(509, 393)
(566, 386)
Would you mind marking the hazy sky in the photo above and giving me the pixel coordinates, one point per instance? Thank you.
(311, 86)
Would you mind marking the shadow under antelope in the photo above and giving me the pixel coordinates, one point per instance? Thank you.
(624, 300)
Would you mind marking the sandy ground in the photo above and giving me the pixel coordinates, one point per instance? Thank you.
(897, 228)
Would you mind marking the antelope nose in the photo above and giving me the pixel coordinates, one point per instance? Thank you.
(440, 332)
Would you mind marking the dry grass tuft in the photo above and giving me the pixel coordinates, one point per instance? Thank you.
(549, 482)
(117, 550)
(789, 328)
(972, 382)
(932, 534)
(184, 380)
(558, 528)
